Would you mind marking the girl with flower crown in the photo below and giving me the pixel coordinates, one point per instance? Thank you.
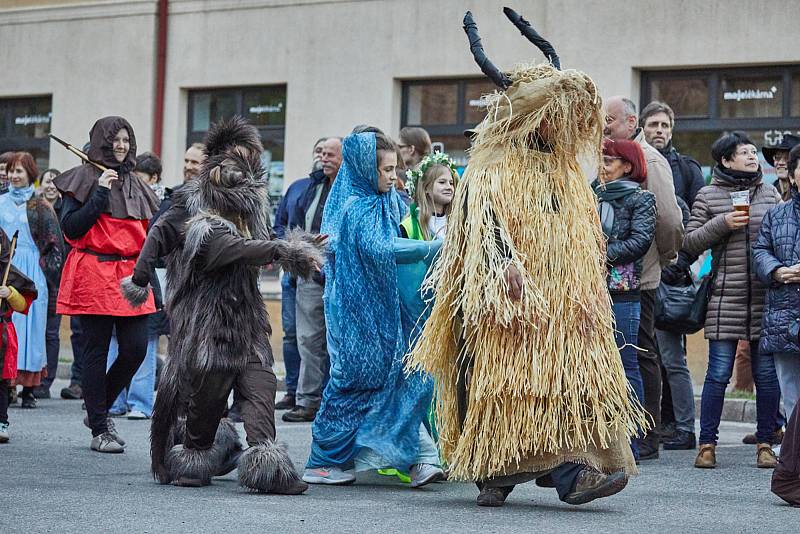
(432, 185)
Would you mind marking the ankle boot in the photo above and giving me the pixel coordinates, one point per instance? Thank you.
(707, 457)
(765, 456)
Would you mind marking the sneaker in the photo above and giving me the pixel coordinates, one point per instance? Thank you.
(137, 415)
(591, 484)
(765, 456)
(648, 450)
(423, 474)
(28, 400)
(4, 436)
(681, 441)
(41, 392)
(106, 442)
(299, 414)
(286, 403)
(110, 428)
(73, 392)
(327, 475)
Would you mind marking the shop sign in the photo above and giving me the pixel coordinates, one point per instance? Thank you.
(257, 110)
(27, 120)
(750, 94)
(774, 137)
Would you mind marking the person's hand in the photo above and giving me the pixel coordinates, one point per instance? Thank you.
(107, 178)
(321, 240)
(676, 275)
(787, 275)
(736, 219)
(4, 292)
(514, 282)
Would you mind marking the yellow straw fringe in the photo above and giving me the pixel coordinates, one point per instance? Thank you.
(547, 377)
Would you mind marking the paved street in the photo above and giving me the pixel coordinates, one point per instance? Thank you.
(52, 482)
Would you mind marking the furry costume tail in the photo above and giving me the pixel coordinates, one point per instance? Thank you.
(301, 253)
(267, 468)
(165, 415)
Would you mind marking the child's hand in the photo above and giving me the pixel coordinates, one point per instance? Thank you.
(4, 292)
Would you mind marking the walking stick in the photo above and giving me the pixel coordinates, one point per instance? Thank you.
(80, 153)
(10, 257)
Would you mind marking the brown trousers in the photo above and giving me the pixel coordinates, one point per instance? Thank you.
(786, 477)
(742, 371)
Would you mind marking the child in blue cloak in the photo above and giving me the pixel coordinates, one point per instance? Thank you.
(372, 414)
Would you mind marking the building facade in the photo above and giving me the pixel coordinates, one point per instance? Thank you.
(304, 69)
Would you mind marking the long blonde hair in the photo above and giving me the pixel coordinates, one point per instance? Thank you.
(423, 195)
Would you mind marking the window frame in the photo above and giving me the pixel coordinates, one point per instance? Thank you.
(16, 143)
(440, 130)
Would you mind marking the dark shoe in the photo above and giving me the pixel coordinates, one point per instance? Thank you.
(545, 481)
(300, 414)
(187, 482)
(666, 432)
(41, 392)
(682, 441)
(28, 400)
(591, 485)
(286, 403)
(296, 488)
(777, 438)
(73, 392)
(12, 396)
(647, 451)
(494, 497)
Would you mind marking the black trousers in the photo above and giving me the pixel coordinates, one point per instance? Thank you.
(255, 385)
(4, 389)
(100, 389)
(76, 339)
(649, 362)
(52, 344)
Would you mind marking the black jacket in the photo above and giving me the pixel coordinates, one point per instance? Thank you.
(632, 233)
(686, 174)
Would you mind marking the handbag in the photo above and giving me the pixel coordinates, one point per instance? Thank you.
(682, 309)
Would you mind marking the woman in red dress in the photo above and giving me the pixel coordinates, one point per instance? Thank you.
(104, 218)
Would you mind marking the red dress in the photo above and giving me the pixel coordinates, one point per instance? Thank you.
(95, 266)
(9, 371)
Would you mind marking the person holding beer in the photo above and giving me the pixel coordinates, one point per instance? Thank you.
(726, 217)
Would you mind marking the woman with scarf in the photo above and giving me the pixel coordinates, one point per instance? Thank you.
(372, 414)
(104, 217)
(628, 217)
(38, 256)
(726, 217)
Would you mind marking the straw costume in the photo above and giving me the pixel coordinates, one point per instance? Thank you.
(527, 386)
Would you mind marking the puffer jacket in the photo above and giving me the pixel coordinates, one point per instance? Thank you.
(629, 239)
(778, 245)
(737, 300)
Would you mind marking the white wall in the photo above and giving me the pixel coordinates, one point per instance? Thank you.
(341, 59)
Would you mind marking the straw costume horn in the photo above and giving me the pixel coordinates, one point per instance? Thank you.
(526, 385)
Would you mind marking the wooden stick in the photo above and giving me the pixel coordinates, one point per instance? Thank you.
(80, 153)
(10, 257)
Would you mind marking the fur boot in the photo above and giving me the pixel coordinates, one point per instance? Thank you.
(191, 466)
(134, 294)
(267, 468)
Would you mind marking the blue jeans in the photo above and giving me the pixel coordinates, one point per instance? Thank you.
(291, 356)
(138, 395)
(626, 333)
(720, 368)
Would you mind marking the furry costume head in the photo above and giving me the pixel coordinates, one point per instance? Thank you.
(232, 182)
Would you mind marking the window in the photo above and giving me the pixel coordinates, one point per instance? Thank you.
(762, 101)
(750, 97)
(264, 107)
(446, 108)
(24, 125)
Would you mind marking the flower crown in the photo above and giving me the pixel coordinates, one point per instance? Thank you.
(436, 158)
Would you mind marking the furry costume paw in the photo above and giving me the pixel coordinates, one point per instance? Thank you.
(267, 468)
(300, 253)
(136, 295)
(191, 467)
(226, 450)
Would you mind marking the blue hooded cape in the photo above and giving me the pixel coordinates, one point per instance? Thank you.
(369, 402)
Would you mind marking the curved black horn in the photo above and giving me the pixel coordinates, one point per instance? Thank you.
(533, 36)
(496, 75)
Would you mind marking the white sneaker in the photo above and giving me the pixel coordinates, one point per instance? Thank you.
(327, 475)
(423, 474)
(136, 414)
(106, 442)
(4, 437)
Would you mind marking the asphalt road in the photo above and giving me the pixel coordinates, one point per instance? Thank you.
(52, 482)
